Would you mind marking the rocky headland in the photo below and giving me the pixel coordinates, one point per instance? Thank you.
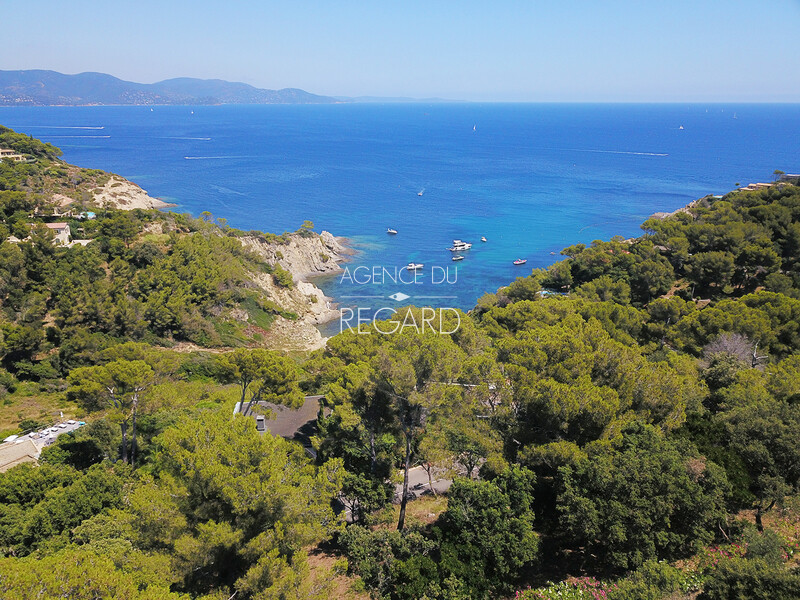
(120, 193)
(305, 255)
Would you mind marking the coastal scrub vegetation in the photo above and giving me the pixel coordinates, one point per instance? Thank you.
(27, 145)
(186, 285)
(648, 394)
(159, 278)
(621, 425)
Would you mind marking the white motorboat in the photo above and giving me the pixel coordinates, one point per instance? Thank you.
(459, 246)
(414, 266)
(458, 257)
(391, 231)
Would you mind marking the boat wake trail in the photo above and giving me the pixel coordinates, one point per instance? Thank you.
(83, 137)
(60, 127)
(212, 157)
(225, 190)
(617, 152)
(203, 139)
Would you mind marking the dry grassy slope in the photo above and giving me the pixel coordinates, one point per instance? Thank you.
(30, 402)
(60, 184)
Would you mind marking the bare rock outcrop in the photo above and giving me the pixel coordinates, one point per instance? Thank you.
(305, 256)
(120, 193)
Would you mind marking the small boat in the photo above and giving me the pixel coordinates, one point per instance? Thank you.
(419, 193)
(458, 257)
(483, 239)
(391, 231)
(473, 127)
(681, 127)
(520, 261)
(414, 266)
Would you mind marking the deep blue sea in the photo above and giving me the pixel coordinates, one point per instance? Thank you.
(531, 178)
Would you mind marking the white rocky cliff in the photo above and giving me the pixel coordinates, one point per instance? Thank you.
(305, 256)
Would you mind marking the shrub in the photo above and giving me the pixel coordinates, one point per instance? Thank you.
(7, 382)
(282, 277)
(742, 579)
(385, 559)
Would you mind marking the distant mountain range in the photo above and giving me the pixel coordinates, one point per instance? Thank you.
(43, 88)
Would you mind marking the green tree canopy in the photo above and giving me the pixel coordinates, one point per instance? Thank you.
(646, 499)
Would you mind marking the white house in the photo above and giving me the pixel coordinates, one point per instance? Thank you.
(62, 232)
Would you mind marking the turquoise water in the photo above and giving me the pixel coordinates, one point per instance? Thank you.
(530, 178)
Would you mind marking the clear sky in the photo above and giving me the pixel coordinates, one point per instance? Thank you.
(501, 50)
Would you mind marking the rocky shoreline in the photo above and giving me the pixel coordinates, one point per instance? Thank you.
(709, 198)
(123, 194)
(682, 209)
(305, 256)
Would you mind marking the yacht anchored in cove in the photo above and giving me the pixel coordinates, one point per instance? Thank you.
(458, 246)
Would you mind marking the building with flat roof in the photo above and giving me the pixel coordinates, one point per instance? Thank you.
(755, 186)
(9, 153)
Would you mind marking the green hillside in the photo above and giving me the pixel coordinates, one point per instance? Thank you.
(621, 425)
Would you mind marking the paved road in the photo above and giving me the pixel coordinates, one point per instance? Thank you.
(418, 484)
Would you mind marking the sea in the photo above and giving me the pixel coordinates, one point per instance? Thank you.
(529, 178)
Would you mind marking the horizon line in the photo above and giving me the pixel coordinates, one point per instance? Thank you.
(390, 100)
(372, 98)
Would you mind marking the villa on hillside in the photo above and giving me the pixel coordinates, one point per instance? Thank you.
(63, 235)
(297, 424)
(750, 187)
(9, 153)
(62, 232)
(790, 178)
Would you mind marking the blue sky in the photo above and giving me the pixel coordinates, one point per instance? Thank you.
(506, 50)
